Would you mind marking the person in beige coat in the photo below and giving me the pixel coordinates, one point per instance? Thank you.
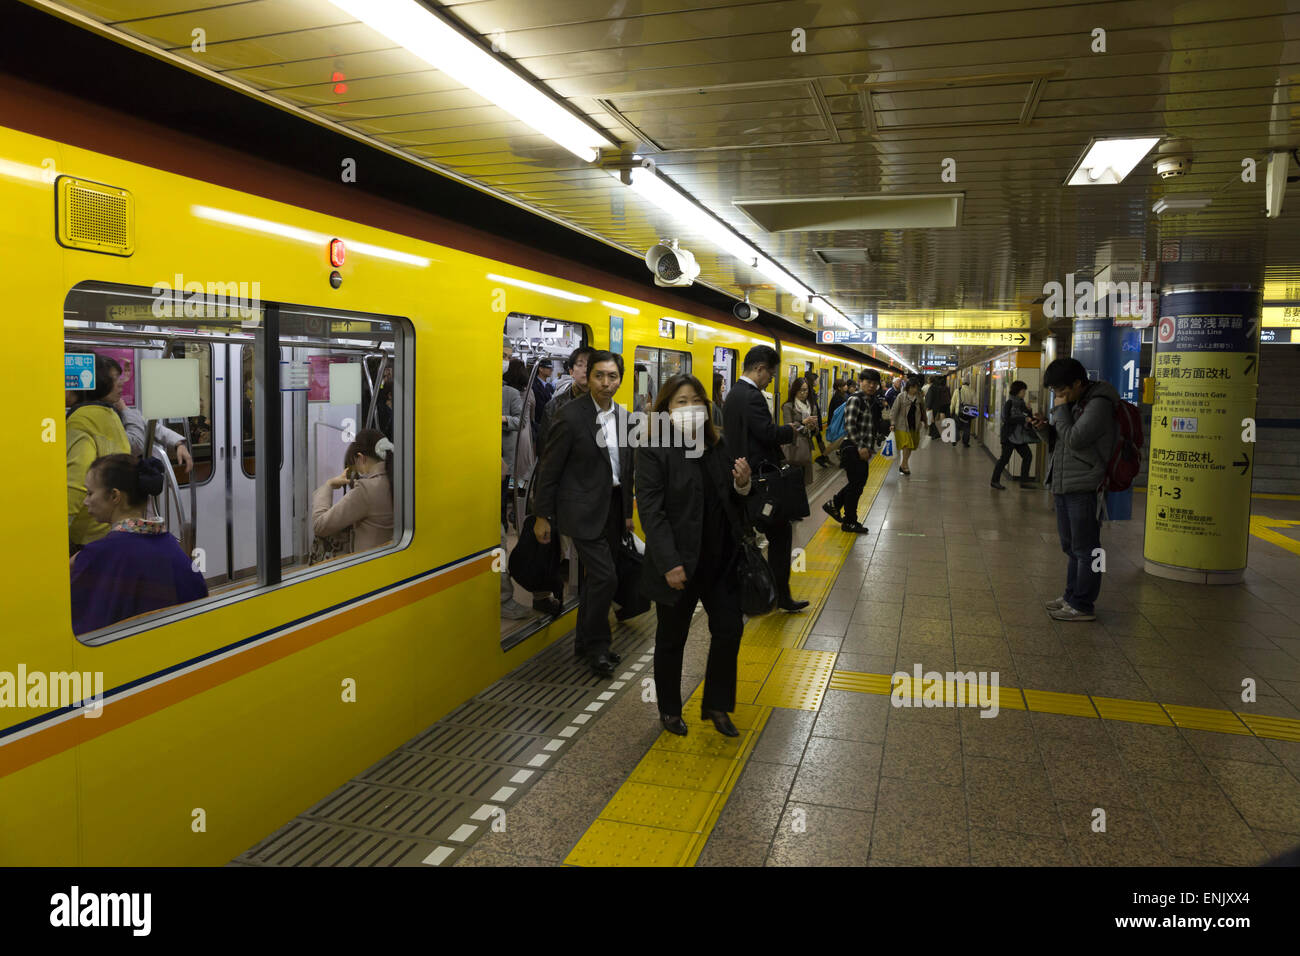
(368, 506)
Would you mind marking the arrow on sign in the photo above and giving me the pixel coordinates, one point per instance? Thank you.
(930, 337)
(1250, 364)
(1020, 338)
(1244, 464)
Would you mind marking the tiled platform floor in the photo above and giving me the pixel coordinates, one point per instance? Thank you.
(955, 574)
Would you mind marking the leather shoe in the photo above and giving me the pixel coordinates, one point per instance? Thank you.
(998, 486)
(855, 527)
(834, 512)
(674, 725)
(616, 658)
(721, 720)
(602, 666)
(548, 605)
(792, 605)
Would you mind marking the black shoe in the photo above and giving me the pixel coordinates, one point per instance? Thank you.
(792, 605)
(834, 512)
(722, 720)
(823, 461)
(674, 725)
(998, 485)
(854, 527)
(615, 657)
(601, 666)
(1030, 486)
(548, 605)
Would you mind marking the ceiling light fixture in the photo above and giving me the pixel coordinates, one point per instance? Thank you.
(442, 46)
(1106, 162)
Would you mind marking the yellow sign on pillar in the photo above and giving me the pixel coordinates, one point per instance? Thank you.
(1202, 451)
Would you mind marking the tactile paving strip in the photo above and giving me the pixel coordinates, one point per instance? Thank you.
(798, 680)
(427, 801)
(1107, 708)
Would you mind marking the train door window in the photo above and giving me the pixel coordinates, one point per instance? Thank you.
(220, 515)
(651, 368)
(724, 364)
(531, 339)
(823, 392)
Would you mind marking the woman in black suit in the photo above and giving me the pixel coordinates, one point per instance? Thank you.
(689, 499)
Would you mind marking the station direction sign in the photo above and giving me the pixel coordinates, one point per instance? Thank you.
(952, 337)
(972, 320)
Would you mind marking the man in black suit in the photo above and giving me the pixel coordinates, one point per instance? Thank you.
(584, 488)
(751, 434)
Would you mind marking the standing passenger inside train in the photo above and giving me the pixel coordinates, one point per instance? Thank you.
(815, 403)
(584, 489)
(565, 392)
(137, 566)
(137, 429)
(753, 435)
(694, 522)
(543, 389)
(367, 507)
(514, 382)
(94, 430)
(715, 407)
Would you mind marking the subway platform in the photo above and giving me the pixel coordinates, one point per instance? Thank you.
(1131, 741)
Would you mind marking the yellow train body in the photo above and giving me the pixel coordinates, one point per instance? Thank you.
(223, 726)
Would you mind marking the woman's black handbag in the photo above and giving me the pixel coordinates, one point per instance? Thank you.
(628, 596)
(757, 586)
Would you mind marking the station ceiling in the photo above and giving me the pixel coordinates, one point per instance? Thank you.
(742, 101)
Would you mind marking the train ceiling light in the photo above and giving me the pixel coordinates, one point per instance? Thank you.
(435, 41)
(1106, 162)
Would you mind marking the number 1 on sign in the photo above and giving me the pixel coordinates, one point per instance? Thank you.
(1131, 367)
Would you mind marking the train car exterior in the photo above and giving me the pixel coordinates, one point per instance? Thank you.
(222, 720)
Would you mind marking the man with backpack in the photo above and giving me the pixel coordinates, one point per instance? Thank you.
(1081, 434)
(862, 427)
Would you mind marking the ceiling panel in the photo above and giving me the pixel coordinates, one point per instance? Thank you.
(715, 93)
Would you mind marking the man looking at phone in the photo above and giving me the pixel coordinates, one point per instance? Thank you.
(1080, 432)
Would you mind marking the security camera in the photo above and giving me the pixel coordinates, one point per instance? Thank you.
(744, 311)
(1170, 167)
(671, 266)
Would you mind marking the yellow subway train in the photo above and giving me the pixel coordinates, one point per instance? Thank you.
(184, 735)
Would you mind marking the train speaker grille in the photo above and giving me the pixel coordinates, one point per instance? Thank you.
(95, 217)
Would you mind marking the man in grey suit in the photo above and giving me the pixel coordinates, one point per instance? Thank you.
(750, 433)
(584, 488)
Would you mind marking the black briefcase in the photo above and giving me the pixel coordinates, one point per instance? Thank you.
(534, 565)
(628, 596)
(777, 495)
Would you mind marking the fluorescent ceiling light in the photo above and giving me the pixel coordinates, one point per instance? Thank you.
(303, 235)
(544, 289)
(617, 307)
(1176, 204)
(1107, 161)
(436, 42)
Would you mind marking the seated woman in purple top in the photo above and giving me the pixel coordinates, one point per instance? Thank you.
(137, 567)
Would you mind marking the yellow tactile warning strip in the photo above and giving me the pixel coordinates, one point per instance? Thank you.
(1083, 705)
(664, 812)
(1262, 527)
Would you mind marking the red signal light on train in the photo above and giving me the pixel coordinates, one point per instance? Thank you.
(337, 252)
(340, 88)
(337, 77)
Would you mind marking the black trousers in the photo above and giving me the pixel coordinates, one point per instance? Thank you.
(721, 597)
(846, 499)
(963, 430)
(1026, 459)
(597, 582)
(780, 538)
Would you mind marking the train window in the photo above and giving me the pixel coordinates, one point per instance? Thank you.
(724, 364)
(651, 368)
(224, 521)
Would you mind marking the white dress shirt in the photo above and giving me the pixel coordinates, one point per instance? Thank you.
(608, 422)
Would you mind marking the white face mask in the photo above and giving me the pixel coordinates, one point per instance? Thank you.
(689, 418)
(505, 365)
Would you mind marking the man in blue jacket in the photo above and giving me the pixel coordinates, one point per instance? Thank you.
(1081, 435)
